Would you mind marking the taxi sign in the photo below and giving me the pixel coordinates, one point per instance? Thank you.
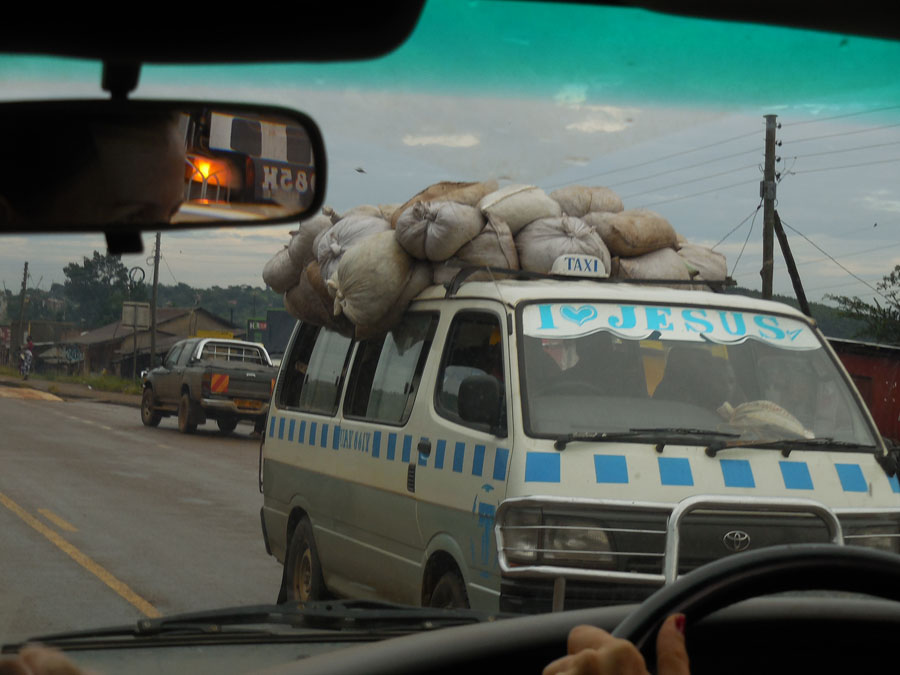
(580, 266)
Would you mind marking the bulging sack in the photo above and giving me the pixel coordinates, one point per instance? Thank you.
(709, 265)
(662, 264)
(309, 301)
(447, 191)
(279, 273)
(420, 278)
(540, 243)
(345, 234)
(633, 233)
(301, 247)
(370, 278)
(518, 205)
(437, 230)
(493, 247)
(578, 200)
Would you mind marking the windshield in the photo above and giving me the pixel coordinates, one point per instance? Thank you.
(381, 459)
(607, 368)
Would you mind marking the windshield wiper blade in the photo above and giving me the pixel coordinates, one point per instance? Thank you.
(658, 435)
(335, 615)
(786, 445)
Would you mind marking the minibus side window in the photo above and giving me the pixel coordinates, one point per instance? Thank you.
(297, 365)
(325, 373)
(386, 371)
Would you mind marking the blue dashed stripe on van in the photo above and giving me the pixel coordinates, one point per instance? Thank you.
(281, 422)
(611, 468)
(272, 427)
(675, 471)
(478, 461)
(336, 438)
(439, 454)
(542, 467)
(852, 479)
(895, 484)
(501, 457)
(407, 449)
(392, 446)
(291, 430)
(459, 456)
(796, 475)
(737, 473)
(376, 444)
(312, 432)
(323, 437)
(301, 432)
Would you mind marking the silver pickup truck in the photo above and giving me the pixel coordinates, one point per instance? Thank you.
(210, 378)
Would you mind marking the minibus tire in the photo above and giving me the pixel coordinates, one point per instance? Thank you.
(449, 592)
(302, 559)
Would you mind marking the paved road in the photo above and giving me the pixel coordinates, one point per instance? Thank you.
(105, 521)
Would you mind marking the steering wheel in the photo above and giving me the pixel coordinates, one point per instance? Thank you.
(770, 570)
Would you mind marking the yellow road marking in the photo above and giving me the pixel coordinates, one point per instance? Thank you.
(119, 587)
(56, 520)
(28, 394)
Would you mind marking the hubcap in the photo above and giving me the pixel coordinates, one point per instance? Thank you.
(303, 577)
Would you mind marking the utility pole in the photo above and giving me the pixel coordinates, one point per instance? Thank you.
(22, 301)
(767, 193)
(153, 297)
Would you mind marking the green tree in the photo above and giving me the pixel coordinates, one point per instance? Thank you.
(98, 287)
(881, 319)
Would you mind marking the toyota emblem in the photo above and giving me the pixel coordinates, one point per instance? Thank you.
(736, 541)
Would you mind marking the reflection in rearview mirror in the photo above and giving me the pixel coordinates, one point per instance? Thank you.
(153, 165)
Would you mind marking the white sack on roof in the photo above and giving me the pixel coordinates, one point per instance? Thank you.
(344, 235)
(420, 278)
(369, 279)
(280, 273)
(301, 247)
(540, 243)
(309, 301)
(662, 264)
(493, 247)
(518, 205)
(709, 265)
(436, 230)
(446, 191)
(632, 233)
(578, 200)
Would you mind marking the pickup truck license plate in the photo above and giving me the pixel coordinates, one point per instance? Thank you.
(247, 403)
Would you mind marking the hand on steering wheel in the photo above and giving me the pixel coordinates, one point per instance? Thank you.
(593, 651)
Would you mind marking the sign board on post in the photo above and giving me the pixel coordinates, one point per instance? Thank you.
(136, 314)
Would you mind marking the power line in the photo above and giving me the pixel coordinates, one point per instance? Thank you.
(692, 180)
(740, 225)
(653, 161)
(684, 168)
(830, 257)
(844, 116)
(698, 194)
(163, 258)
(847, 166)
(740, 255)
(845, 133)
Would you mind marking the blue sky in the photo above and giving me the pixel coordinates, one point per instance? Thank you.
(666, 111)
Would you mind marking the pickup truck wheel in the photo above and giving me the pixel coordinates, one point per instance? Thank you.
(186, 421)
(226, 424)
(303, 581)
(148, 416)
(449, 592)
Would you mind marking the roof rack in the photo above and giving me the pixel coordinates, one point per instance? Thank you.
(464, 273)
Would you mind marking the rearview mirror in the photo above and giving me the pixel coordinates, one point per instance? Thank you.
(125, 166)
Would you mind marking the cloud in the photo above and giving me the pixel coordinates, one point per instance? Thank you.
(447, 140)
(875, 202)
(602, 119)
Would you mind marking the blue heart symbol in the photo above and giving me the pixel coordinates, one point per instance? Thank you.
(581, 315)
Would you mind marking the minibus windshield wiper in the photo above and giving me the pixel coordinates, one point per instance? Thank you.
(786, 445)
(658, 435)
